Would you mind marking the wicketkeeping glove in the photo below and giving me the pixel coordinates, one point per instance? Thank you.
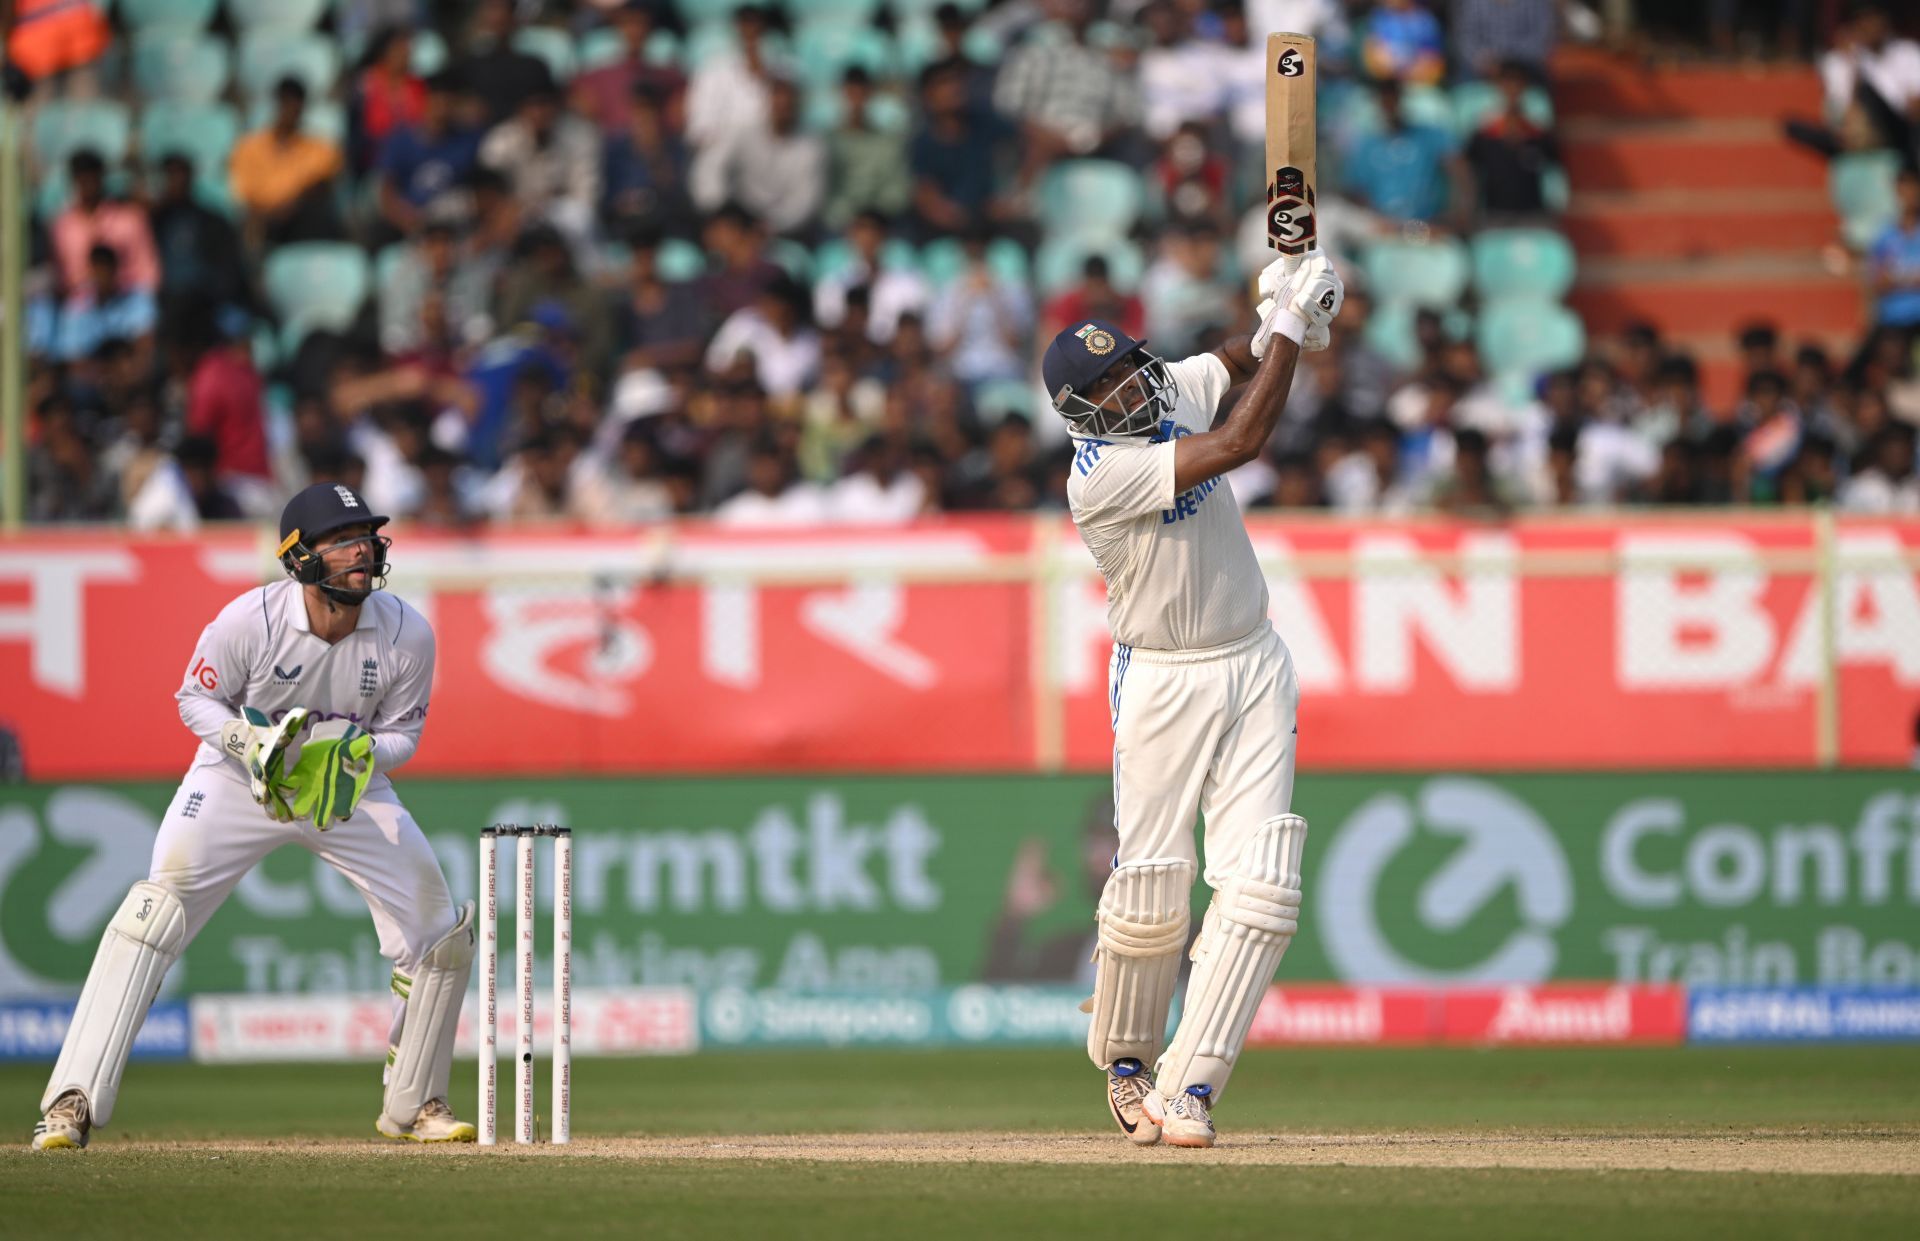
(261, 746)
(331, 773)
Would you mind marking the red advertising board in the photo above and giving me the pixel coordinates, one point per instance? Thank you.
(981, 645)
(1572, 1013)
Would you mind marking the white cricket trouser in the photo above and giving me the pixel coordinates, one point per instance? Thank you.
(1206, 731)
(213, 834)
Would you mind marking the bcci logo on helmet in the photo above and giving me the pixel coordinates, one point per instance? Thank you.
(1099, 343)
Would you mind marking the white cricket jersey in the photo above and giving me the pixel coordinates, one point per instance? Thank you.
(1181, 573)
(260, 652)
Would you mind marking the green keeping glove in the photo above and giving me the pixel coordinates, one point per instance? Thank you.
(261, 747)
(331, 774)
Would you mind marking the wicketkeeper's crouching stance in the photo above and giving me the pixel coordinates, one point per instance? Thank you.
(1202, 692)
(304, 694)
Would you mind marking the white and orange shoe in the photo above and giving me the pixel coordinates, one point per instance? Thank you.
(1130, 1093)
(1188, 1117)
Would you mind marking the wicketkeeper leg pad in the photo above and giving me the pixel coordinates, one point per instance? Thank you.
(144, 938)
(1145, 911)
(1247, 930)
(423, 1056)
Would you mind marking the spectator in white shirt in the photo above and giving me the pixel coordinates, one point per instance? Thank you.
(1887, 485)
(880, 487)
(891, 291)
(551, 159)
(777, 171)
(727, 96)
(1872, 85)
(982, 319)
(775, 337)
(774, 496)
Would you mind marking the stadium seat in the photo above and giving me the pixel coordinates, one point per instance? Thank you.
(925, 8)
(794, 257)
(680, 260)
(291, 16)
(551, 45)
(323, 117)
(1475, 102)
(942, 261)
(63, 126)
(994, 401)
(314, 285)
(1529, 335)
(706, 41)
(203, 132)
(700, 11)
(1091, 198)
(603, 47)
(1431, 273)
(267, 56)
(836, 256)
(190, 16)
(180, 68)
(1392, 331)
(1534, 262)
(1061, 261)
(429, 53)
(825, 46)
(1861, 184)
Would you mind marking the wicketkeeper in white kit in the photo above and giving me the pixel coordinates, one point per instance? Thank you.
(305, 694)
(1202, 693)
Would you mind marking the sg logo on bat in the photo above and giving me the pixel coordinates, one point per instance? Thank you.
(1291, 65)
(1290, 225)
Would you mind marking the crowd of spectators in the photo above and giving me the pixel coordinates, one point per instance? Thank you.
(705, 274)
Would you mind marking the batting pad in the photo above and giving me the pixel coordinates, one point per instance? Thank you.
(1143, 918)
(1247, 930)
(423, 1058)
(142, 941)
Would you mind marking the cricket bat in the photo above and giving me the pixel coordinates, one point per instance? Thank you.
(1290, 144)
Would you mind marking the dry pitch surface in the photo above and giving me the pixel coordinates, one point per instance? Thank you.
(1686, 1143)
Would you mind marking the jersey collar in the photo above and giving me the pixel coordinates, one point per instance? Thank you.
(297, 611)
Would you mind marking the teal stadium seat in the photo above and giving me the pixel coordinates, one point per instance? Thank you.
(315, 285)
(697, 11)
(63, 126)
(994, 401)
(180, 68)
(1861, 184)
(292, 16)
(1528, 335)
(602, 47)
(553, 46)
(1430, 273)
(1528, 262)
(942, 261)
(794, 257)
(190, 16)
(680, 260)
(836, 256)
(323, 118)
(203, 132)
(429, 53)
(825, 46)
(1061, 260)
(1474, 102)
(267, 56)
(1090, 198)
(1390, 331)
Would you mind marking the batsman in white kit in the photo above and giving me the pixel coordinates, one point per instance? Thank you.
(305, 695)
(1202, 694)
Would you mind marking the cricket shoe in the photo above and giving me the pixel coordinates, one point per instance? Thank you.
(1129, 1091)
(65, 1126)
(1188, 1118)
(435, 1123)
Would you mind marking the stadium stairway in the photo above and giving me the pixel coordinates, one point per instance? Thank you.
(1692, 211)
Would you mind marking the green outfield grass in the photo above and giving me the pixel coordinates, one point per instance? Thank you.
(132, 1183)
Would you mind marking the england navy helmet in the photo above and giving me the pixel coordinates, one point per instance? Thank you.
(321, 509)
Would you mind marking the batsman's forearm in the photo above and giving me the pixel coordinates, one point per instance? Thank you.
(1251, 424)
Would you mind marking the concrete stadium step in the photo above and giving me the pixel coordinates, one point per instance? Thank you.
(1588, 82)
(1686, 155)
(1693, 224)
(1713, 296)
